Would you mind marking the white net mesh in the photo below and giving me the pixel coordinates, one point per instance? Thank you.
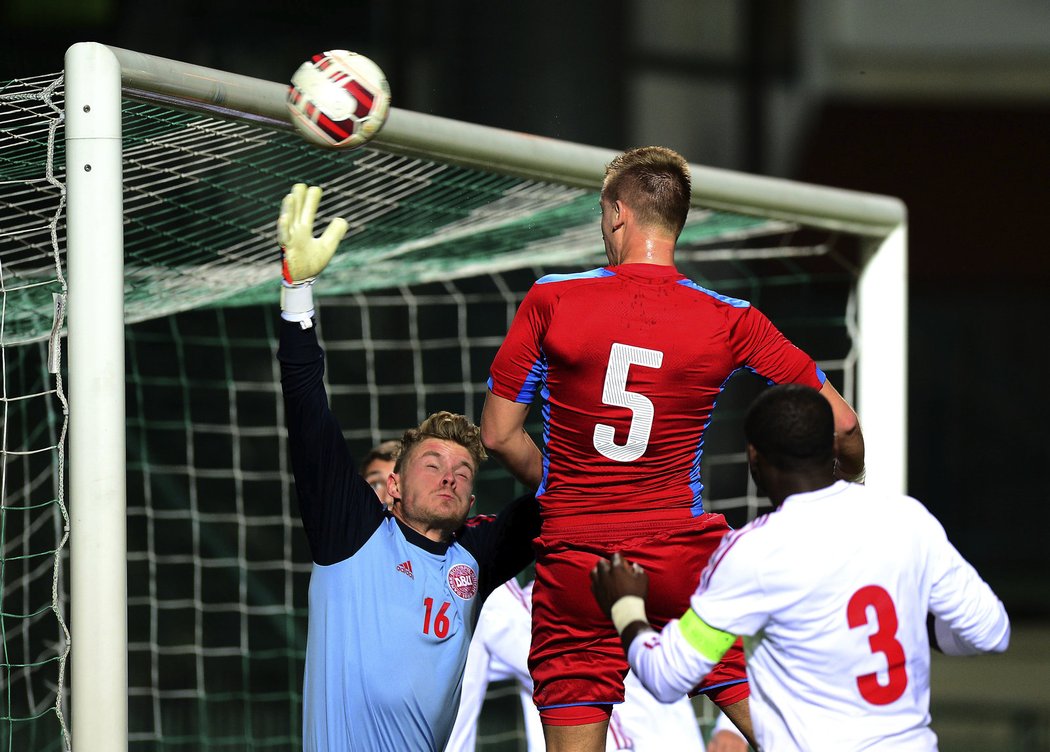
(33, 519)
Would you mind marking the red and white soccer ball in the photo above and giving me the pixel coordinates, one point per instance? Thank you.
(339, 99)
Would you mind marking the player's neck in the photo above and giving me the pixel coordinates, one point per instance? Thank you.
(645, 250)
(437, 534)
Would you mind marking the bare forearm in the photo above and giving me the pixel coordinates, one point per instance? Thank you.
(849, 460)
(740, 714)
(849, 440)
(522, 458)
(504, 437)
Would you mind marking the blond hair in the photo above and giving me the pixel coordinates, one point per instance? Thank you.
(447, 427)
(655, 182)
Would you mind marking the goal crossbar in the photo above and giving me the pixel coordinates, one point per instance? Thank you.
(99, 77)
(231, 95)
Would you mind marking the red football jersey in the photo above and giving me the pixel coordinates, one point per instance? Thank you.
(629, 361)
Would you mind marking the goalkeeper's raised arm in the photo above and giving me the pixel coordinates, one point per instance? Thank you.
(401, 587)
(303, 256)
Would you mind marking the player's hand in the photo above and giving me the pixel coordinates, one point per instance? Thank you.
(616, 577)
(303, 256)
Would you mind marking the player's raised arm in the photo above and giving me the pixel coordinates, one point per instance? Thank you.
(849, 441)
(326, 478)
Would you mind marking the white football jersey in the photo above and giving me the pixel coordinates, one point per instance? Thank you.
(500, 650)
(831, 592)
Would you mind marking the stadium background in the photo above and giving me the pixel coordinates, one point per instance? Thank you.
(945, 104)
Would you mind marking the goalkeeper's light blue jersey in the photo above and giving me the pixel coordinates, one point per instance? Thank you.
(391, 612)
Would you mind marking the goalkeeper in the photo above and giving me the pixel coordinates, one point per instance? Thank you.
(394, 595)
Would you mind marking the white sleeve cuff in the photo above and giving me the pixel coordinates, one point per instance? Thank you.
(297, 303)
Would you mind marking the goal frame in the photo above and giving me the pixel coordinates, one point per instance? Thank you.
(98, 77)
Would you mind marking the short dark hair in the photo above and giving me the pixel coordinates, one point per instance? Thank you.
(385, 451)
(792, 426)
(655, 182)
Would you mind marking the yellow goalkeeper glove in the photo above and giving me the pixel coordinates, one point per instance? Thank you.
(303, 256)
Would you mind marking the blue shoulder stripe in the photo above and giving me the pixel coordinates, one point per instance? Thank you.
(601, 271)
(735, 302)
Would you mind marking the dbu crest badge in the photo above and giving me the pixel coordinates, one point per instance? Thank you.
(464, 581)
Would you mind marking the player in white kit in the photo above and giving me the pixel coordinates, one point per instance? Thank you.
(831, 592)
(499, 651)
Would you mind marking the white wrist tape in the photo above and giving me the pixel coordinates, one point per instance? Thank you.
(627, 610)
(297, 303)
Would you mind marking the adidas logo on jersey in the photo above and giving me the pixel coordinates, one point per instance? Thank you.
(405, 567)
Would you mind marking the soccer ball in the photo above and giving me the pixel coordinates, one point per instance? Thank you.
(339, 99)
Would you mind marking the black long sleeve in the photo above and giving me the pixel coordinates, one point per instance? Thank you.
(339, 510)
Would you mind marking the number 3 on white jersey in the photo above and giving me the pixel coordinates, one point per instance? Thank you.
(621, 358)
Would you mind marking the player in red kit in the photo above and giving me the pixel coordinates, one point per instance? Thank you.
(628, 361)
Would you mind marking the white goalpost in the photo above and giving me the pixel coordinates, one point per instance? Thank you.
(95, 341)
(556, 183)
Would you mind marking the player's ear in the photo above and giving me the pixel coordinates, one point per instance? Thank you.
(753, 461)
(472, 497)
(620, 212)
(393, 486)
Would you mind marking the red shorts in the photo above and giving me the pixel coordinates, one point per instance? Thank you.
(576, 656)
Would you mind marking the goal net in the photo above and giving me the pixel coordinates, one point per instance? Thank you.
(181, 504)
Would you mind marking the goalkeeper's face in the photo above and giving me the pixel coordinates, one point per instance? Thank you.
(434, 490)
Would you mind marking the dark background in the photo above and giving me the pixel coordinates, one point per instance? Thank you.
(971, 166)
